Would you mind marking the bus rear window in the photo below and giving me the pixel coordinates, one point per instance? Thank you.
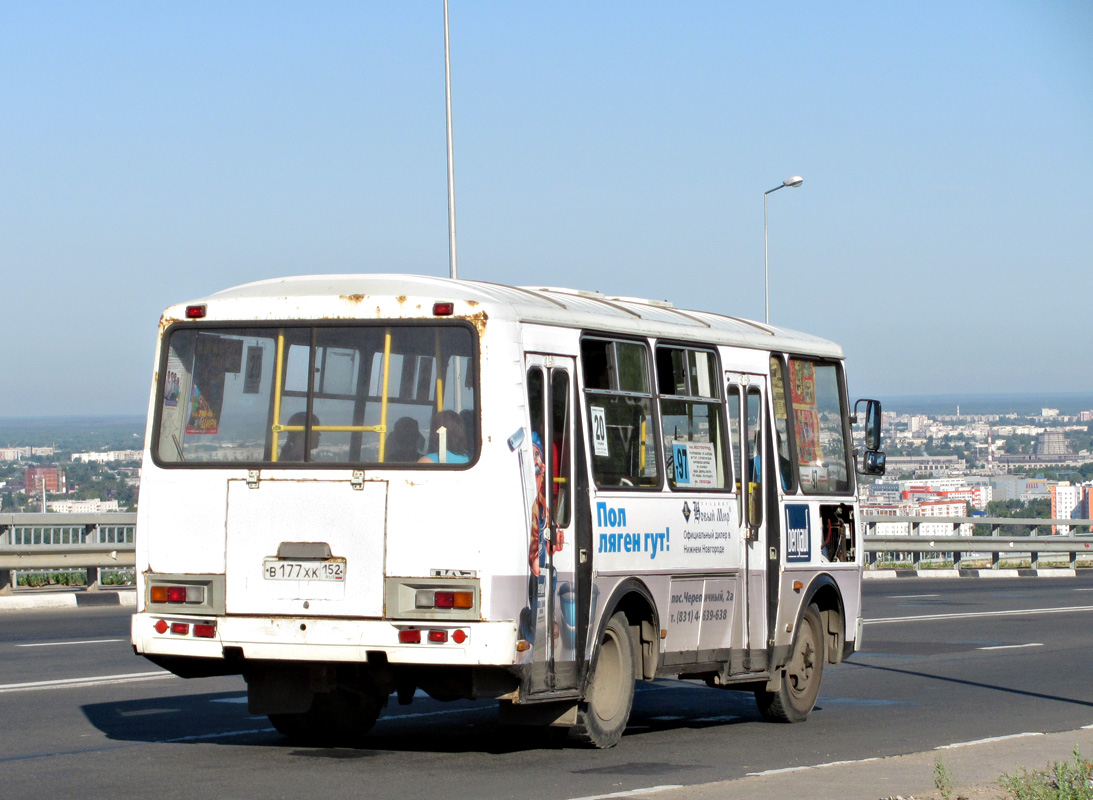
(292, 396)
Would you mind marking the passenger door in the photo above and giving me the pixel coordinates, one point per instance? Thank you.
(552, 616)
(748, 431)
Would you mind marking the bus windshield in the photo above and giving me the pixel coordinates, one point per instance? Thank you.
(332, 395)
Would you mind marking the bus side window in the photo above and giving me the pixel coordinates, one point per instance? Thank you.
(619, 393)
(756, 468)
(691, 417)
(782, 439)
(559, 429)
(734, 444)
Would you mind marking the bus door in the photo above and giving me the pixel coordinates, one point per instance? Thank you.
(748, 432)
(552, 621)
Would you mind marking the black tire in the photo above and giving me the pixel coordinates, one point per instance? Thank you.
(602, 715)
(801, 675)
(337, 718)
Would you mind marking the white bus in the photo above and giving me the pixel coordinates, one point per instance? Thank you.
(363, 485)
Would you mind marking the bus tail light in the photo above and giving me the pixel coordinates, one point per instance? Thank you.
(205, 630)
(195, 312)
(411, 636)
(443, 309)
(429, 598)
(180, 628)
(176, 594)
(438, 637)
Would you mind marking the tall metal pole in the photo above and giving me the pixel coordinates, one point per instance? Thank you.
(766, 260)
(453, 267)
(795, 181)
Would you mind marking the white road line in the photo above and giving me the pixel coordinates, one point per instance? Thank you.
(204, 736)
(974, 614)
(632, 792)
(1011, 646)
(98, 680)
(987, 741)
(910, 596)
(60, 644)
(785, 770)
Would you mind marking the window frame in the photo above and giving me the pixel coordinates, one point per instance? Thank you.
(654, 415)
(798, 487)
(720, 402)
(315, 327)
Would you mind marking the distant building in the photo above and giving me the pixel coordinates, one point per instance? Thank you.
(108, 456)
(95, 506)
(1065, 499)
(926, 466)
(1018, 487)
(52, 479)
(1052, 443)
(911, 508)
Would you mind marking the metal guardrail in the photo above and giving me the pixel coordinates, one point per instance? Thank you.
(960, 547)
(102, 541)
(67, 542)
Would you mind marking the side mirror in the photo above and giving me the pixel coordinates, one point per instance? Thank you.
(873, 463)
(873, 460)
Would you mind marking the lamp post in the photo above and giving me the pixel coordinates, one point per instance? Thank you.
(795, 181)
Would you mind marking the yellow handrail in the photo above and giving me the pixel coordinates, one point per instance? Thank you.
(382, 427)
(276, 428)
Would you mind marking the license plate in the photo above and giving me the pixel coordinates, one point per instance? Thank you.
(275, 569)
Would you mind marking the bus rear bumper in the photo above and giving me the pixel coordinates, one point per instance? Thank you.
(326, 640)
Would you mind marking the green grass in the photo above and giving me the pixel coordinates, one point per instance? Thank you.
(1063, 780)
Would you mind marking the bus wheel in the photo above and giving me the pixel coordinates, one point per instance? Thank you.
(335, 718)
(602, 716)
(801, 675)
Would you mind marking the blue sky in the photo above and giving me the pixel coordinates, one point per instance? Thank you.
(154, 153)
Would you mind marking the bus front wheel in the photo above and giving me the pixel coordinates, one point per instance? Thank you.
(602, 716)
(801, 675)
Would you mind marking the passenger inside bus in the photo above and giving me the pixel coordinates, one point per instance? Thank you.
(405, 441)
(455, 440)
(294, 446)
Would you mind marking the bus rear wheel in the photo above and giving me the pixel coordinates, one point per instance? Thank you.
(340, 717)
(602, 716)
(801, 676)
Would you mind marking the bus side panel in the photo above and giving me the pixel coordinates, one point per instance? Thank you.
(688, 551)
(180, 521)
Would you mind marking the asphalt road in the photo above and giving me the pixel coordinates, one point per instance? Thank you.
(945, 661)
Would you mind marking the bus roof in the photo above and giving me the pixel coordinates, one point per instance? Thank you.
(385, 296)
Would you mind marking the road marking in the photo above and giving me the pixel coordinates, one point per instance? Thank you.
(203, 736)
(910, 596)
(393, 717)
(1011, 646)
(98, 680)
(973, 614)
(785, 770)
(988, 741)
(61, 644)
(632, 792)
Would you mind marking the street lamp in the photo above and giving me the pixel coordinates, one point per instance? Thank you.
(796, 180)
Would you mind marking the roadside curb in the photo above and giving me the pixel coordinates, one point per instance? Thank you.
(62, 600)
(892, 574)
(974, 767)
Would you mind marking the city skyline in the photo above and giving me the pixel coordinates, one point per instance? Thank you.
(159, 154)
